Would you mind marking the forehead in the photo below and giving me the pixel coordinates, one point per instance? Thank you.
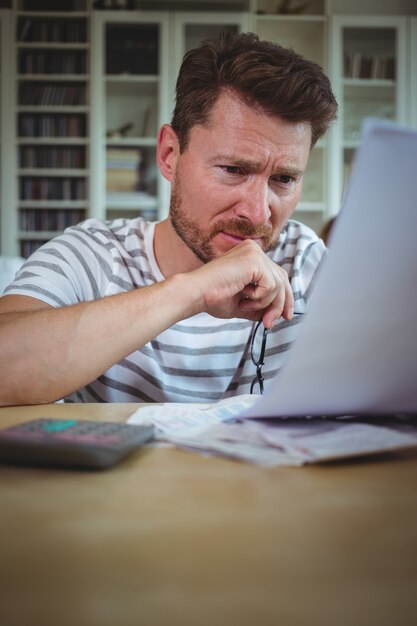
(237, 128)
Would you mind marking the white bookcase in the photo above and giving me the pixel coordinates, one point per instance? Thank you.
(8, 221)
(189, 29)
(412, 83)
(306, 33)
(130, 99)
(369, 69)
(50, 73)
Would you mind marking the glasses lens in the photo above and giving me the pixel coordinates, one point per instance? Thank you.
(258, 345)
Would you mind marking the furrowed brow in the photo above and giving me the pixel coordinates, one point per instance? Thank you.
(234, 160)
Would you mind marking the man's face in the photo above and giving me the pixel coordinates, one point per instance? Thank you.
(240, 177)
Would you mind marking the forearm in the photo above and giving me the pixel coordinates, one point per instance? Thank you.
(47, 354)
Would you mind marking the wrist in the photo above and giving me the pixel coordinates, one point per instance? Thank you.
(186, 293)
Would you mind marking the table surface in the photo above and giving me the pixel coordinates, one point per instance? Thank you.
(170, 537)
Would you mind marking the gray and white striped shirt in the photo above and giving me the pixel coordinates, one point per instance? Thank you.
(198, 359)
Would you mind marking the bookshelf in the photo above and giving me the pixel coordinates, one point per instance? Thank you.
(191, 28)
(412, 71)
(52, 75)
(306, 33)
(369, 76)
(7, 217)
(131, 100)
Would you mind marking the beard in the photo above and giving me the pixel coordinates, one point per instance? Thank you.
(199, 241)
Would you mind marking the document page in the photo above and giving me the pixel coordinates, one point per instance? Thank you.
(210, 430)
(356, 352)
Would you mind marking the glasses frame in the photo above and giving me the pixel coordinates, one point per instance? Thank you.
(258, 363)
(259, 379)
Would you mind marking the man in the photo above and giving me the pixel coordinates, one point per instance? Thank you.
(135, 311)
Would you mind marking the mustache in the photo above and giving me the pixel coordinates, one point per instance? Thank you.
(241, 228)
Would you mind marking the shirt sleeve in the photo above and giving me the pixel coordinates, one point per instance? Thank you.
(71, 268)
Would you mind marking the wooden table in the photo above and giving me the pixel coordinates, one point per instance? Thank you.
(169, 537)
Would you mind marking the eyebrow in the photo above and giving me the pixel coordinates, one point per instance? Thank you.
(245, 163)
(249, 164)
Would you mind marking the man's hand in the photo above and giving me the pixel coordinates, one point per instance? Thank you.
(245, 283)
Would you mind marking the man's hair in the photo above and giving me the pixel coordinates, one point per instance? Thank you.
(265, 75)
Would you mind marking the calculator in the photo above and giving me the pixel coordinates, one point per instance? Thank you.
(78, 444)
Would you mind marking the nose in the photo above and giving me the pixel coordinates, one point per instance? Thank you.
(254, 203)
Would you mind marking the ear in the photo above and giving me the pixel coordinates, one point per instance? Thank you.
(167, 152)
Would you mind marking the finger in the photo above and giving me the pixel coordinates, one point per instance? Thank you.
(269, 318)
(278, 298)
(256, 304)
(282, 305)
(288, 309)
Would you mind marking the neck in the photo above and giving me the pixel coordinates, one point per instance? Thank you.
(172, 254)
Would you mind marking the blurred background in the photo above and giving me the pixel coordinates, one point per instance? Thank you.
(85, 85)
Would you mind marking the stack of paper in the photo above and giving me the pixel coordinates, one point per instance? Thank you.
(211, 429)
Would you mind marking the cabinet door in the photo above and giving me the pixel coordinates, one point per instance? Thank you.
(8, 215)
(130, 96)
(369, 79)
(413, 72)
(306, 34)
(191, 28)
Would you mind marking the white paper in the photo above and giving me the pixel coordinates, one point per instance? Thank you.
(299, 442)
(272, 442)
(356, 351)
(174, 417)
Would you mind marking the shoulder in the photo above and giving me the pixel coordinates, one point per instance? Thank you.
(116, 241)
(298, 236)
(87, 261)
(300, 251)
(296, 243)
(110, 232)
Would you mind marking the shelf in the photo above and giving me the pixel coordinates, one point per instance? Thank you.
(52, 204)
(138, 200)
(52, 141)
(54, 14)
(368, 82)
(51, 45)
(351, 144)
(76, 108)
(53, 77)
(37, 235)
(51, 172)
(132, 78)
(127, 142)
(280, 17)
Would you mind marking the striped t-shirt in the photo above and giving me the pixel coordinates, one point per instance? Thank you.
(199, 359)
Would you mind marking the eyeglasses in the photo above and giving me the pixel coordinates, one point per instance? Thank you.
(258, 358)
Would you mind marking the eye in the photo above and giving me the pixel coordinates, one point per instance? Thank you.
(284, 179)
(231, 169)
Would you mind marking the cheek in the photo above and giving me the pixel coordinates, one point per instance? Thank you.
(283, 206)
(212, 200)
